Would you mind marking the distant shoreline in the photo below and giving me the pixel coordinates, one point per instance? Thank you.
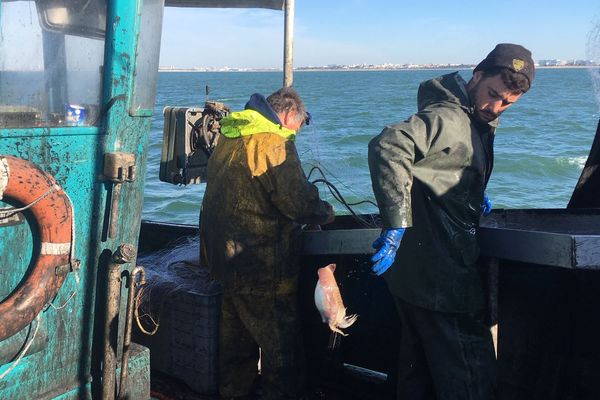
(307, 69)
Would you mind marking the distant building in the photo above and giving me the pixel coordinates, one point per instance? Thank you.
(565, 63)
(551, 63)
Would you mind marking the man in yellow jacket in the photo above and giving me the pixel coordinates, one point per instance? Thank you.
(257, 195)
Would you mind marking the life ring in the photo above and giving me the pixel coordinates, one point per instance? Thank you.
(25, 183)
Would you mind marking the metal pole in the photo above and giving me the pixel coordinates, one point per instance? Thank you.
(288, 44)
(124, 254)
(114, 210)
(493, 277)
(128, 321)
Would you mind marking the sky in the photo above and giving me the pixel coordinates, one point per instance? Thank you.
(379, 31)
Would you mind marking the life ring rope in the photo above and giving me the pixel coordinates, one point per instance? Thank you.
(24, 349)
(74, 264)
(10, 211)
(37, 190)
(48, 248)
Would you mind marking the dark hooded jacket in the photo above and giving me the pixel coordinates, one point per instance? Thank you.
(256, 196)
(429, 174)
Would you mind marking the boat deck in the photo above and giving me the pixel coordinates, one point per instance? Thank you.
(165, 387)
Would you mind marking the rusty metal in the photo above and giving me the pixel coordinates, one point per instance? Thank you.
(124, 254)
(114, 211)
(64, 360)
(118, 168)
(128, 322)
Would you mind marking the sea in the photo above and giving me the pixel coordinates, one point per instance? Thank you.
(541, 145)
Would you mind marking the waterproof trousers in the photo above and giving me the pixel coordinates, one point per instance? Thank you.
(270, 321)
(444, 356)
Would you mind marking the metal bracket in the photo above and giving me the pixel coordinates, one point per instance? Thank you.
(64, 269)
(118, 168)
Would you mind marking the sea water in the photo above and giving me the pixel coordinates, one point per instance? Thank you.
(541, 145)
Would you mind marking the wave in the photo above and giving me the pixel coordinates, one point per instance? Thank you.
(578, 161)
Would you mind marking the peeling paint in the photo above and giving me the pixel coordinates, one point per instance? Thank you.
(64, 367)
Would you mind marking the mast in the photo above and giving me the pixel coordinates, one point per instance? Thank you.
(288, 44)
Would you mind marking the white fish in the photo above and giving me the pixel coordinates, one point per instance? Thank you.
(329, 301)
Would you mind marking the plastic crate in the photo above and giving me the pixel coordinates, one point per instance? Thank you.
(186, 343)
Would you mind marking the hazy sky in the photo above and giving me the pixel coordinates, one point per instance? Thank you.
(378, 31)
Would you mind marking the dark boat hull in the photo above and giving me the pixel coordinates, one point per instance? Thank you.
(544, 299)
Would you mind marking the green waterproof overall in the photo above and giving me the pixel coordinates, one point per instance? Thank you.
(429, 174)
(256, 196)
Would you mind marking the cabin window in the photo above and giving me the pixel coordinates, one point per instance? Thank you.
(147, 55)
(51, 57)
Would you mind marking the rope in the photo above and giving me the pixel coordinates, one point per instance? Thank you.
(73, 293)
(24, 350)
(338, 196)
(10, 211)
(72, 260)
(137, 302)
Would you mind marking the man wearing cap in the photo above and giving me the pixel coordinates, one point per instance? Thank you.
(429, 174)
(256, 196)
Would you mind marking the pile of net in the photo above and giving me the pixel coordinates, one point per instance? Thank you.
(169, 271)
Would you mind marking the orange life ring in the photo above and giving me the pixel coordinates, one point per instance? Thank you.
(25, 183)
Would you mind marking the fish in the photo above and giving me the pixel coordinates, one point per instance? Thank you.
(329, 301)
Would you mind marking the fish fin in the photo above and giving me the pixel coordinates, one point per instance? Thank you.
(348, 321)
(335, 329)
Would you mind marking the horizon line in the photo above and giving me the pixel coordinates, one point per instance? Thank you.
(352, 68)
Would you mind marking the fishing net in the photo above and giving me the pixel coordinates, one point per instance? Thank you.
(175, 269)
(334, 172)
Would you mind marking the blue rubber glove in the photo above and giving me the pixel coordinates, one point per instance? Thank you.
(388, 244)
(486, 207)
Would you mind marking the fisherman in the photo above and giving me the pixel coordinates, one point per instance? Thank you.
(257, 195)
(429, 174)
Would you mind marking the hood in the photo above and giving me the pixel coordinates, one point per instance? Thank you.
(259, 104)
(258, 117)
(447, 89)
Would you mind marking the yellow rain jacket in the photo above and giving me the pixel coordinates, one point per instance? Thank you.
(256, 196)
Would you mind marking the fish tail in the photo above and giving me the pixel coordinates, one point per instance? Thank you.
(347, 321)
(334, 328)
